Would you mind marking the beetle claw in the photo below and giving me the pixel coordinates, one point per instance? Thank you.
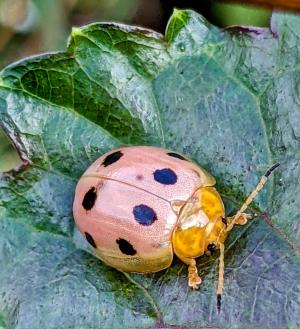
(195, 282)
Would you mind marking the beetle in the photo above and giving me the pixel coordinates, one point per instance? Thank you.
(137, 206)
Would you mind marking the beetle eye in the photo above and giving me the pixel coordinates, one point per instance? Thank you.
(211, 247)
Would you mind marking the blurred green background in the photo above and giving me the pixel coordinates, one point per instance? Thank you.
(30, 27)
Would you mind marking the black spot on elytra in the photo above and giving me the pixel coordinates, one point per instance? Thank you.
(90, 240)
(112, 158)
(126, 247)
(144, 215)
(89, 198)
(176, 155)
(165, 176)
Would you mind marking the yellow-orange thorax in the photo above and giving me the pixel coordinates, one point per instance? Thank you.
(200, 224)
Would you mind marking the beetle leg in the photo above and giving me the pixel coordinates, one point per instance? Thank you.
(194, 278)
(241, 220)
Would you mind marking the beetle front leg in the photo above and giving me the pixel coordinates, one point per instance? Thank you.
(194, 278)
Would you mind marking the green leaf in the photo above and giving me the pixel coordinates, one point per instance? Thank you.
(229, 99)
(8, 156)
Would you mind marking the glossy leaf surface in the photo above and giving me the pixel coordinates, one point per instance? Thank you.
(229, 99)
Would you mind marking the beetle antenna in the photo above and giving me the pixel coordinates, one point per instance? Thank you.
(252, 195)
(220, 278)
